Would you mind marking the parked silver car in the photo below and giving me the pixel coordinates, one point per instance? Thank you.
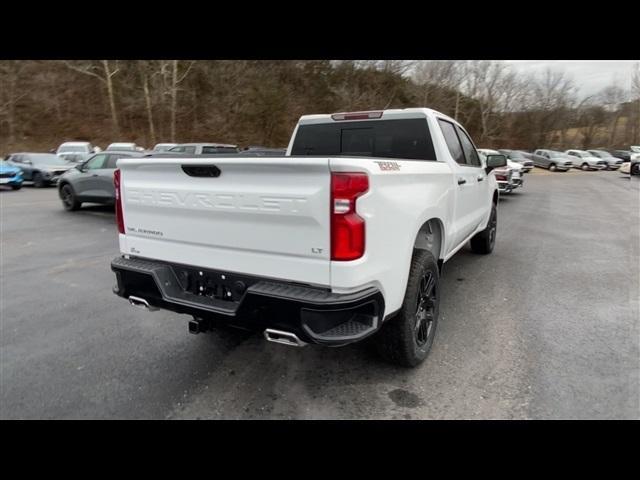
(91, 181)
(586, 161)
(551, 159)
(40, 168)
(613, 163)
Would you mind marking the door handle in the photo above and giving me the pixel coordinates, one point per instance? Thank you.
(461, 181)
(95, 175)
(480, 178)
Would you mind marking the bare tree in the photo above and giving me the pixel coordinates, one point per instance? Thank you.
(553, 96)
(148, 71)
(10, 94)
(437, 80)
(612, 98)
(635, 95)
(176, 79)
(103, 71)
(496, 88)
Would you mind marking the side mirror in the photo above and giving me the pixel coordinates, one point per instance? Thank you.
(80, 166)
(495, 161)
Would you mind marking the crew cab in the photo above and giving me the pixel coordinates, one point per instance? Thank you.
(517, 170)
(503, 176)
(341, 239)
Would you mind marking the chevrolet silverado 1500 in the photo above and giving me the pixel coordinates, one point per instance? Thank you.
(341, 239)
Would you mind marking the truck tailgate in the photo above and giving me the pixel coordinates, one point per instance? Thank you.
(266, 216)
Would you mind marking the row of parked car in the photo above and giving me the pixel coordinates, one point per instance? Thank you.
(520, 162)
(511, 176)
(84, 172)
(78, 152)
(597, 159)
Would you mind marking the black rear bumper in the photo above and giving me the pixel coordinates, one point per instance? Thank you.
(314, 314)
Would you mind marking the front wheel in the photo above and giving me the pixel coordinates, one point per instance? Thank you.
(484, 241)
(553, 167)
(16, 187)
(69, 200)
(635, 169)
(406, 339)
(585, 167)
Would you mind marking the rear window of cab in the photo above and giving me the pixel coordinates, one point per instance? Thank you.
(403, 139)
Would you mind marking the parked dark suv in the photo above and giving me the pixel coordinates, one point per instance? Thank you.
(91, 181)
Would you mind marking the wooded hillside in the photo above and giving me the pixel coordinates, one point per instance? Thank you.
(43, 103)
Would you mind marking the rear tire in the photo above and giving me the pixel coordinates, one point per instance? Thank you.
(69, 200)
(484, 241)
(16, 187)
(635, 169)
(406, 339)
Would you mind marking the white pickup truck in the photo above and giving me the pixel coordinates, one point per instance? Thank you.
(342, 238)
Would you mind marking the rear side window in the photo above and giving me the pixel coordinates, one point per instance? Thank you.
(453, 143)
(219, 150)
(190, 149)
(468, 148)
(405, 139)
(97, 162)
(113, 159)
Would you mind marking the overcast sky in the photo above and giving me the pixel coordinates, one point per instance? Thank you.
(590, 76)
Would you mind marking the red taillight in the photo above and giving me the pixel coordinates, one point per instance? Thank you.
(347, 227)
(119, 217)
(356, 115)
(502, 178)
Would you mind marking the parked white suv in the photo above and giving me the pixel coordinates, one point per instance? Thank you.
(342, 238)
(586, 161)
(84, 148)
(124, 147)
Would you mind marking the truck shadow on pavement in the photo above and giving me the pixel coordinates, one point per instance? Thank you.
(255, 379)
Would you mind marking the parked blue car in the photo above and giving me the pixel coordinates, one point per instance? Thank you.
(10, 176)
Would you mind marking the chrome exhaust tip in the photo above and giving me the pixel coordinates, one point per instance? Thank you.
(285, 338)
(142, 303)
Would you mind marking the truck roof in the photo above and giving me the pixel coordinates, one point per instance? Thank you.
(390, 114)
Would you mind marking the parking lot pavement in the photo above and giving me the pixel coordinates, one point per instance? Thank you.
(548, 326)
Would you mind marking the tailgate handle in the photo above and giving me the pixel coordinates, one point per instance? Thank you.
(201, 170)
